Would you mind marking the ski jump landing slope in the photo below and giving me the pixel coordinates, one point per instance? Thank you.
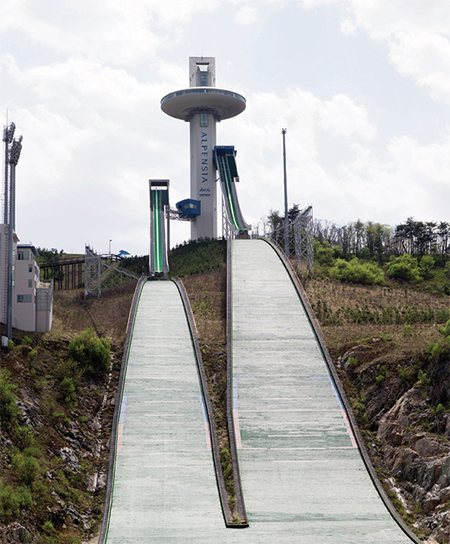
(164, 482)
(303, 477)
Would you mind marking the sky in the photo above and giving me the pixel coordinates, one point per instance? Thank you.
(362, 87)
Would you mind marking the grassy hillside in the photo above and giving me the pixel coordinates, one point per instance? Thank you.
(57, 395)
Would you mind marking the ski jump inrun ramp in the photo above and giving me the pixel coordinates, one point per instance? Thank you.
(303, 477)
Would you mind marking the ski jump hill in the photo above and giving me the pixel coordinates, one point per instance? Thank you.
(304, 473)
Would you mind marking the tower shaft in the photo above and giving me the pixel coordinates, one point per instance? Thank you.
(203, 174)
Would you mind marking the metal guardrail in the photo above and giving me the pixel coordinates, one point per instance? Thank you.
(335, 377)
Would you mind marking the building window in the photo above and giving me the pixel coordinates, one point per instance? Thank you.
(30, 283)
(23, 298)
(30, 268)
(23, 255)
(203, 119)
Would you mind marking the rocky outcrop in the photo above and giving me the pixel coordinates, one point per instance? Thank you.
(403, 405)
(419, 461)
(14, 533)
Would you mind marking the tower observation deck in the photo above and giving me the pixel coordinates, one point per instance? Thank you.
(203, 105)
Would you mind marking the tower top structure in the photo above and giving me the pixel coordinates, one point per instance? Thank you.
(202, 104)
(202, 96)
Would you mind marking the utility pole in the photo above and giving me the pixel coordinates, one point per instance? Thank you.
(286, 218)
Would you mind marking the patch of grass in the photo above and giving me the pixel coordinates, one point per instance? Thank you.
(197, 257)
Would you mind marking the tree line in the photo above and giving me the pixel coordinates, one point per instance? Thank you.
(373, 240)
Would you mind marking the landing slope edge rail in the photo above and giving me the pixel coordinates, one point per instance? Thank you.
(354, 426)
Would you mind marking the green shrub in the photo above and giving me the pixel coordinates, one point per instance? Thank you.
(12, 501)
(32, 354)
(9, 412)
(406, 373)
(422, 378)
(67, 391)
(50, 534)
(24, 437)
(323, 254)
(9, 503)
(434, 350)
(72, 540)
(91, 351)
(356, 271)
(48, 528)
(445, 330)
(24, 498)
(27, 341)
(41, 495)
(427, 264)
(353, 361)
(403, 268)
(27, 468)
(408, 330)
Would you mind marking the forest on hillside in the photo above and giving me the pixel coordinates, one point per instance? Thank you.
(375, 240)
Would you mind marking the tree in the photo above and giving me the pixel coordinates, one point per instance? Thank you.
(377, 239)
(293, 213)
(275, 224)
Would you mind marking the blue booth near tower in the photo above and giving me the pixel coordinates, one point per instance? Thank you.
(188, 207)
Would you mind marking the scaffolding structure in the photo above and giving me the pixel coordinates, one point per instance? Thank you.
(99, 275)
(227, 228)
(92, 273)
(304, 241)
(300, 241)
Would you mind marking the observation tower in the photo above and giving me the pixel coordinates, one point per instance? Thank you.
(203, 105)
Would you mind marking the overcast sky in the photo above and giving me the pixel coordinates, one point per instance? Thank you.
(362, 86)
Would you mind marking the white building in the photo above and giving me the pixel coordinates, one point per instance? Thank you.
(32, 300)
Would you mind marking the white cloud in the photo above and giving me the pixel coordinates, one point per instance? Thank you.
(342, 117)
(404, 179)
(348, 27)
(410, 180)
(247, 15)
(426, 58)
(114, 31)
(416, 33)
(84, 88)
